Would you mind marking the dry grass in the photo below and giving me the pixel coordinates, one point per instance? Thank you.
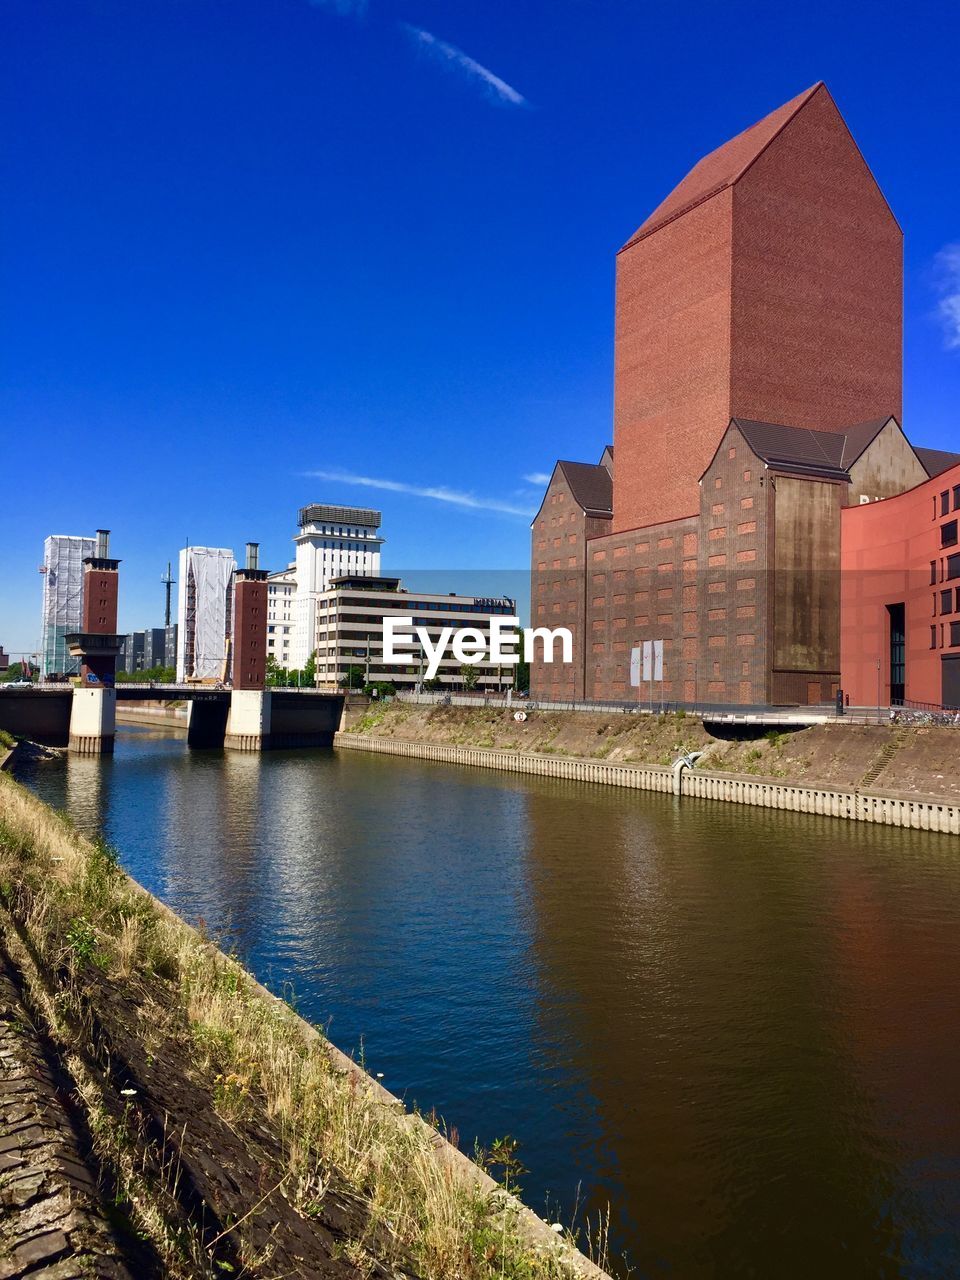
(77, 908)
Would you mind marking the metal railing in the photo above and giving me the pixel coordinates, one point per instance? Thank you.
(710, 711)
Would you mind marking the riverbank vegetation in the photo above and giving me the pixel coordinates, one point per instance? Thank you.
(228, 1132)
(912, 760)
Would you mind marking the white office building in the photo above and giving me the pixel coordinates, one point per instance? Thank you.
(350, 618)
(281, 594)
(62, 569)
(204, 612)
(332, 542)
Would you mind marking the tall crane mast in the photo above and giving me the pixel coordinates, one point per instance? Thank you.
(168, 580)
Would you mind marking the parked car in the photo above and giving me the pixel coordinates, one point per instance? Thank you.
(17, 684)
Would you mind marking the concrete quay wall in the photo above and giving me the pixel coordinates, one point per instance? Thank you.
(885, 808)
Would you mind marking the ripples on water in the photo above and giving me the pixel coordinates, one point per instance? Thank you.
(739, 1027)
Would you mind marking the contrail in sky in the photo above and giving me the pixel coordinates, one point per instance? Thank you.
(438, 493)
(449, 54)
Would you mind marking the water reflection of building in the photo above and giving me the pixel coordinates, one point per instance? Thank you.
(211, 827)
(86, 796)
(695, 965)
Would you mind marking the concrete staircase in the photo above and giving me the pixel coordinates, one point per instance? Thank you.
(887, 753)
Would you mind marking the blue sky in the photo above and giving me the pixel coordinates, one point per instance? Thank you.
(242, 241)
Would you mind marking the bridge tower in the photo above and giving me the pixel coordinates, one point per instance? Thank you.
(93, 714)
(249, 721)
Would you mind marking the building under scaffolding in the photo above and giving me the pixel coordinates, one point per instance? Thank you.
(62, 569)
(204, 612)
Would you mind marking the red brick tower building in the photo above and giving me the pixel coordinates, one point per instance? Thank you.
(767, 286)
(97, 644)
(250, 623)
(757, 393)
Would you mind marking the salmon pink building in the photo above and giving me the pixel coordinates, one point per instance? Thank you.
(900, 597)
(757, 397)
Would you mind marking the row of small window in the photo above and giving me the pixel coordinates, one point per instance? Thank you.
(508, 608)
(945, 497)
(949, 601)
(937, 635)
(348, 532)
(947, 569)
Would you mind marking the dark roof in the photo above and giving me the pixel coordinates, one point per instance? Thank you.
(936, 460)
(365, 582)
(591, 486)
(796, 448)
(859, 438)
(725, 166)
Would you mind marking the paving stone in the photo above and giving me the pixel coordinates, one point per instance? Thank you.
(17, 1114)
(47, 1247)
(22, 1191)
(66, 1269)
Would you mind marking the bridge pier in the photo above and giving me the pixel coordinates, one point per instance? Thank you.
(249, 720)
(93, 720)
(207, 722)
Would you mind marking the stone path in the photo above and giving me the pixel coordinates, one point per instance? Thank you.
(52, 1225)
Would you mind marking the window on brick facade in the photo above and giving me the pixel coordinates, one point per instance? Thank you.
(948, 534)
(946, 601)
(954, 634)
(933, 635)
(953, 566)
(945, 502)
(933, 571)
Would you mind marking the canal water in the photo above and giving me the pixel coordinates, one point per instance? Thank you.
(740, 1028)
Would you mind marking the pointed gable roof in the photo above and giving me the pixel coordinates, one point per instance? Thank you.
(858, 438)
(723, 167)
(803, 451)
(591, 486)
(795, 449)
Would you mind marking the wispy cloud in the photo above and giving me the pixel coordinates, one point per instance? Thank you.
(455, 58)
(948, 279)
(538, 477)
(438, 493)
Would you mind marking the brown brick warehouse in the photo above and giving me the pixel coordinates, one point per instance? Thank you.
(757, 392)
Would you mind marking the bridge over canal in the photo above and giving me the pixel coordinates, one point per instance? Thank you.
(241, 719)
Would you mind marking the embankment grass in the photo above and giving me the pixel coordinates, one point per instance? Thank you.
(76, 908)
